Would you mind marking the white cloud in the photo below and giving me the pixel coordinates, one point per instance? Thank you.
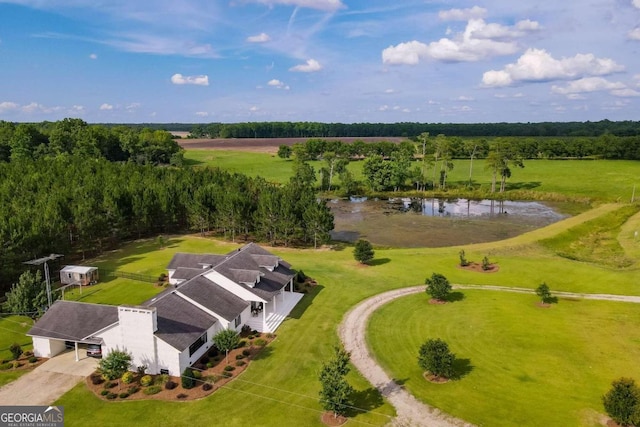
(277, 84)
(106, 107)
(634, 34)
(383, 108)
(636, 3)
(179, 79)
(34, 107)
(537, 65)
(8, 106)
(93, 56)
(587, 84)
(202, 114)
(253, 108)
(260, 38)
(405, 53)
(325, 5)
(464, 98)
(133, 106)
(478, 41)
(463, 14)
(625, 93)
(77, 109)
(389, 91)
(311, 66)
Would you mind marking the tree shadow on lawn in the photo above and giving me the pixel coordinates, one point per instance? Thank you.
(461, 368)
(364, 400)
(263, 353)
(379, 261)
(305, 302)
(523, 185)
(455, 296)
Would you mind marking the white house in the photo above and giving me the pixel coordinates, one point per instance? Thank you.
(208, 293)
(78, 275)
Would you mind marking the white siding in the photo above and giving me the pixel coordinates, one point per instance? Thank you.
(111, 338)
(137, 327)
(47, 347)
(168, 358)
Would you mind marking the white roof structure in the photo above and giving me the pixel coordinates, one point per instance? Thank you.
(80, 269)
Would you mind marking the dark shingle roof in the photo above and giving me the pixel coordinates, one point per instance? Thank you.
(180, 323)
(194, 260)
(74, 321)
(213, 297)
(185, 273)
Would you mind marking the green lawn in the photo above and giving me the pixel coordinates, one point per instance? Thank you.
(610, 180)
(520, 364)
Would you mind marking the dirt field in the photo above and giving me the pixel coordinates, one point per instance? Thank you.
(262, 145)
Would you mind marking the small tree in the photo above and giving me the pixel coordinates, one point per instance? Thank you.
(284, 151)
(15, 350)
(226, 340)
(438, 286)
(161, 241)
(363, 251)
(29, 294)
(622, 402)
(335, 394)
(485, 263)
(463, 258)
(543, 292)
(435, 357)
(114, 365)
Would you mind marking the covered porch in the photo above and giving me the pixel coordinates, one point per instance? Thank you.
(266, 317)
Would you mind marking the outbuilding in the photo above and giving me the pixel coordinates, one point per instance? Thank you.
(79, 275)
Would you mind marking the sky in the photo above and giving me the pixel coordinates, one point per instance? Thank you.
(347, 61)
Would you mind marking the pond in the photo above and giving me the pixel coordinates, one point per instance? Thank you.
(411, 222)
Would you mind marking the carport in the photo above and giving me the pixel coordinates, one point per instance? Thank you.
(67, 323)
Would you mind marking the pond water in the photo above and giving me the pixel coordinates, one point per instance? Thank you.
(405, 222)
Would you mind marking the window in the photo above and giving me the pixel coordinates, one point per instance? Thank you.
(197, 344)
(237, 321)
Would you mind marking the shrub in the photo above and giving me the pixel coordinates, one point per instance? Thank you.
(209, 365)
(142, 369)
(239, 356)
(114, 365)
(229, 368)
(109, 384)
(15, 350)
(127, 377)
(187, 379)
(16, 364)
(438, 286)
(182, 396)
(300, 276)
(146, 381)
(133, 389)
(245, 331)
(486, 264)
(33, 359)
(207, 386)
(197, 374)
(28, 353)
(246, 352)
(123, 395)
(111, 396)
(363, 251)
(270, 335)
(240, 362)
(170, 385)
(104, 392)
(260, 342)
(96, 379)
(154, 389)
(216, 359)
(163, 378)
(435, 357)
(241, 343)
(622, 402)
(227, 374)
(5, 366)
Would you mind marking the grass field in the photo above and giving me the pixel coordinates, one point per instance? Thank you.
(608, 180)
(520, 364)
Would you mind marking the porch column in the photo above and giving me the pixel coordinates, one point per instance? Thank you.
(77, 357)
(282, 293)
(274, 304)
(291, 285)
(264, 315)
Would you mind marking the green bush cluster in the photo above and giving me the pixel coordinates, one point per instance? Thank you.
(188, 380)
(127, 377)
(154, 389)
(5, 366)
(146, 381)
(260, 342)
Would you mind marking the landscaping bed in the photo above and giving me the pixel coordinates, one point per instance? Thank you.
(26, 361)
(211, 372)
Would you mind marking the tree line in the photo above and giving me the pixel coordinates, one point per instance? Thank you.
(77, 205)
(29, 141)
(407, 129)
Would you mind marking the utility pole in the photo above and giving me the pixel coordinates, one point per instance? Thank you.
(44, 261)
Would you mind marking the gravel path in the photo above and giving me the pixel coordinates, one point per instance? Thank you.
(410, 411)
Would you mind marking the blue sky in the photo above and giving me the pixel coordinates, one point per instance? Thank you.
(319, 60)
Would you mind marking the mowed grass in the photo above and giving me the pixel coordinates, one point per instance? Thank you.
(12, 330)
(607, 180)
(519, 364)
